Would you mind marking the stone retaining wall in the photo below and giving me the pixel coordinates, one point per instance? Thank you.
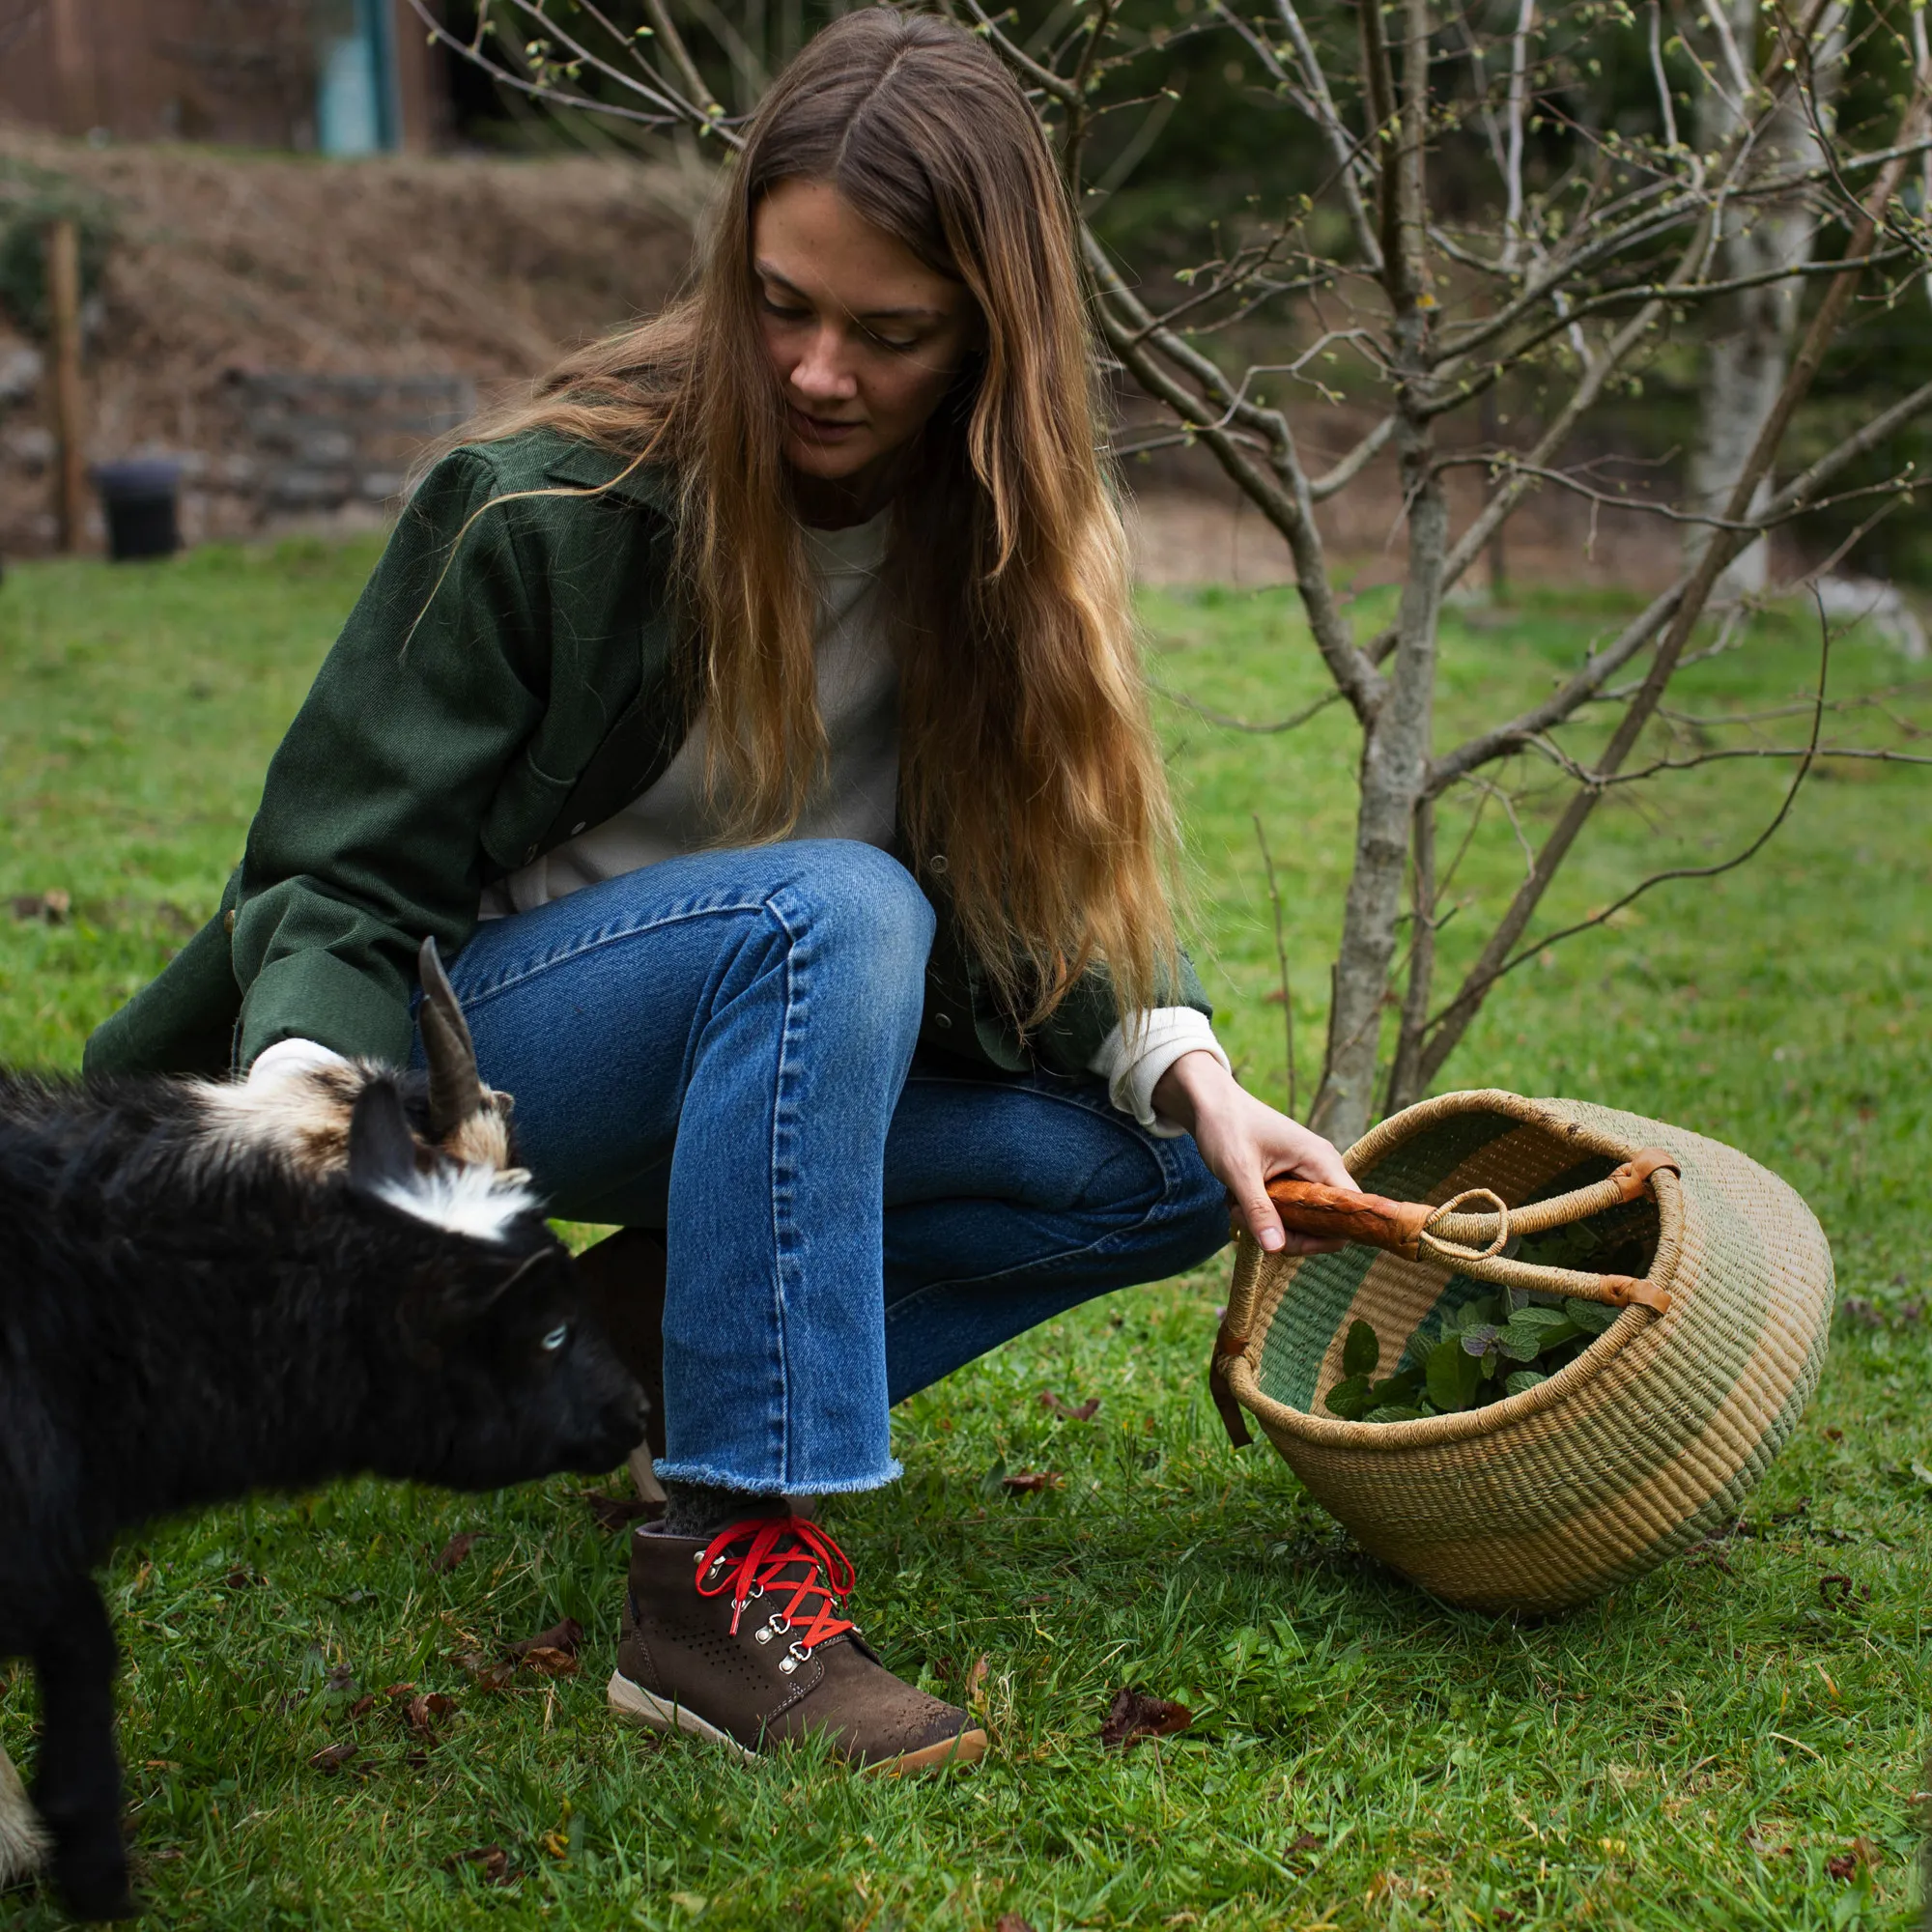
(281, 451)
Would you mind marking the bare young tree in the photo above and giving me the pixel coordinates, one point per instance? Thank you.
(1562, 277)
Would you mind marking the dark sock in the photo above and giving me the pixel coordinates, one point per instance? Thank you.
(699, 1508)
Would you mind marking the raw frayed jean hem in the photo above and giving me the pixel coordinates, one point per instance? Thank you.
(719, 1479)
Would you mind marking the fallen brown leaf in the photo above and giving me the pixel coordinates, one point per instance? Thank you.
(400, 1689)
(362, 1706)
(1860, 1855)
(1011, 1921)
(455, 1550)
(615, 1513)
(1027, 1481)
(1308, 1841)
(565, 1637)
(976, 1683)
(551, 1653)
(488, 1673)
(332, 1757)
(1136, 1716)
(1085, 1412)
(421, 1714)
(490, 1864)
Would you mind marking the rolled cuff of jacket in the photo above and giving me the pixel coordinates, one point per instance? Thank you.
(1134, 1056)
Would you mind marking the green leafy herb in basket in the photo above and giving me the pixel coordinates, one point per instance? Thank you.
(1491, 1347)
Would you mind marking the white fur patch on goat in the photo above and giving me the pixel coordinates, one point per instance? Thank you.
(23, 1838)
(479, 1202)
(302, 1117)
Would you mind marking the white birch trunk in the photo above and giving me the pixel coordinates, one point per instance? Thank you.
(1747, 349)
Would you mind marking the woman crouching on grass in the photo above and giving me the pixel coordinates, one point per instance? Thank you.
(755, 715)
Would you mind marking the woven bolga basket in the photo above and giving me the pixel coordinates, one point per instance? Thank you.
(1645, 1443)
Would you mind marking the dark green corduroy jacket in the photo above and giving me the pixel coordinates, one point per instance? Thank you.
(486, 700)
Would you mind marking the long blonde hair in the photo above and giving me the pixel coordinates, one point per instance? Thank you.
(1030, 787)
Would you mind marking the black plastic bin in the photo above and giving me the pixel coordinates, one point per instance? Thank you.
(141, 498)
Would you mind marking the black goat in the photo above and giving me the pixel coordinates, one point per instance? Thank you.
(207, 1290)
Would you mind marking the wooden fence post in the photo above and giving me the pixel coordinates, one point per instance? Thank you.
(70, 441)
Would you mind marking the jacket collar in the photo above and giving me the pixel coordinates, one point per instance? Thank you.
(584, 465)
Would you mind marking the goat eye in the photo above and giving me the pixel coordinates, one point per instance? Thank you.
(557, 1337)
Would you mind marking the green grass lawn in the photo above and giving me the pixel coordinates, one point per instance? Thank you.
(1690, 1754)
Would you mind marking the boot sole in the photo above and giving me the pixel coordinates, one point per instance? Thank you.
(635, 1705)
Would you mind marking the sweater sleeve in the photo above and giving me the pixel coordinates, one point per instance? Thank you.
(1134, 1056)
(368, 837)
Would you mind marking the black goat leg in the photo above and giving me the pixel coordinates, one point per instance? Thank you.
(77, 1790)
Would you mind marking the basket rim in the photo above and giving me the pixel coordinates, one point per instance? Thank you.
(1429, 1430)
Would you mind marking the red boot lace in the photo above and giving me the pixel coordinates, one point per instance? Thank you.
(776, 1545)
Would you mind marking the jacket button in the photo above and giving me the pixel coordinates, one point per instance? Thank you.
(228, 920)
(529, 855)
(943, 1020)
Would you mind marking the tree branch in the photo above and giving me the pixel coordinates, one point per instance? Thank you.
(1451, 1024)
(1292, 722)
(1808, 756)
(1518, 110)
(1502, 739)
(1282, 498)
(1350, 466)
(1341, 147)
(1405, 1069)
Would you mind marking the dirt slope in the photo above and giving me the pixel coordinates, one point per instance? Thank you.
(398, 266)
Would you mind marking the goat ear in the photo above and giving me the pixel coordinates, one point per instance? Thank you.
(381, 1149)
(468, 1299)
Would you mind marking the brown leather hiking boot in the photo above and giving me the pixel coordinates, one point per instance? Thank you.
(739, 1640)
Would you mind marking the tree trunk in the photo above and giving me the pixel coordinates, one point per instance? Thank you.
(1395, 762)
(1396, 746)
(1749, 348)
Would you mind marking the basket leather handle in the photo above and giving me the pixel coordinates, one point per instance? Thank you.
(1417, 1232)
(1342, 1214)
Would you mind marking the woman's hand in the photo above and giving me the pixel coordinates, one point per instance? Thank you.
(1246, 1144)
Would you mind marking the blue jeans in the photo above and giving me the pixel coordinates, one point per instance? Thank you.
(722, 1046)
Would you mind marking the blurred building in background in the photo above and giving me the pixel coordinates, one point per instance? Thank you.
(338, 76)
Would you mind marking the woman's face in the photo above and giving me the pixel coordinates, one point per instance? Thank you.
(865, 339)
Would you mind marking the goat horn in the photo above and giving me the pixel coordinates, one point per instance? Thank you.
(456, 1091)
